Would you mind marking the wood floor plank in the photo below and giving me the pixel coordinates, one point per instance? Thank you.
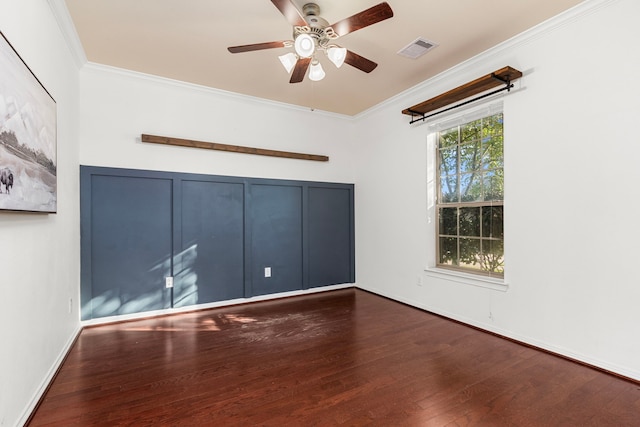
(337, 358)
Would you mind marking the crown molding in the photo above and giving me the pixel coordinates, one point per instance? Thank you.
(165, 81)
(70, 34)
(65, 23)
(479, 62)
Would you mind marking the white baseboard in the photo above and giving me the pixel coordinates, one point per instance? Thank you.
(44, 384)
(533, 342)
(217, 304)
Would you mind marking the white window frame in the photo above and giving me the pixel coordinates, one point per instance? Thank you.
(433, 128)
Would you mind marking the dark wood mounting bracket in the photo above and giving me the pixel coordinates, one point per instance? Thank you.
(504, 76)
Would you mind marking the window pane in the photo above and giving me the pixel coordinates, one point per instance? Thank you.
(492, 148)
(493, 256)
(470, 187)
(449, 137)
(449, 161)
(494, 185)
(449, 250)
(492, 125)
(449, 221)
(470, 221)
(470, 157)
(470, 253)
(492, 224)
(449, 189)
(471, 131)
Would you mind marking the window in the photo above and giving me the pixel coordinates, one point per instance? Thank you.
(470, 193)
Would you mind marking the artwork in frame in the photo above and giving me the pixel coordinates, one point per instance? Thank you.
(28, 137)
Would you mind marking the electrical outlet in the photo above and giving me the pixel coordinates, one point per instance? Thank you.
(70, 305)
(168, 282)
(267, 272)
(419, 281)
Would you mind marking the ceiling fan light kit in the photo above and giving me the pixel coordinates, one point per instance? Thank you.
(312, 33)
(288, 61)
(337, 55)
(316, 73)
(305, 46)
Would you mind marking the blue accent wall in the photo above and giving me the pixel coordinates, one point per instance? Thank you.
(330, 247)
(214, 234)
(276, 238)
(209, 262)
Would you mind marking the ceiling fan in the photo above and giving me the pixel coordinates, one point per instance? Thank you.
(312, 34)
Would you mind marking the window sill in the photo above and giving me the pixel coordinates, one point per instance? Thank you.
(467, 279)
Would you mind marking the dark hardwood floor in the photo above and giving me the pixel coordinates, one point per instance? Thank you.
(338, 358)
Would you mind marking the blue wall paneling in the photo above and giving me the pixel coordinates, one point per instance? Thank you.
(209, 264)
(214, 234)
(130, 227)
(330, 248)
(276, 238)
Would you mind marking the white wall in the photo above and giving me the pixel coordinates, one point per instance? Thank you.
(571, 202)
(118, 106)
(570, 169)
(39, 271)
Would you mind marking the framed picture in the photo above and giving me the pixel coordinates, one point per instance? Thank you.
(28, 137)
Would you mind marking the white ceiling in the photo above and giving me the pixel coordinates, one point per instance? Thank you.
(188, 40)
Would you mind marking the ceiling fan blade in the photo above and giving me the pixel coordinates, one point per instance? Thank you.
(300, 70)
(257, 46)
(289, 10)
(363, 19)
(360, 62)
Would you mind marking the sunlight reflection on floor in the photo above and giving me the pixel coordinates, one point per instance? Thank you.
(214, 323)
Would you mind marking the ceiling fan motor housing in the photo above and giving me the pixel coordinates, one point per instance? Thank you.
(317, 27)
(311, 9)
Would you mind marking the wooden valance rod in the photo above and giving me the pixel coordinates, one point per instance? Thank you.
(154, 139)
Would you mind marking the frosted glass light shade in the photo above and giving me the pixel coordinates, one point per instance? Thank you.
(337, 55)
(316, 72)
(304, 45)
(288, 61)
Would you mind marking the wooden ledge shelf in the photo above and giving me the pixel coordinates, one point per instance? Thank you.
(503, 76)
(155, 139)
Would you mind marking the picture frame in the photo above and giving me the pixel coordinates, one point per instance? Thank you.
(28, 137)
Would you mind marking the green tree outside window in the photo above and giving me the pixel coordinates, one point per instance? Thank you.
(470, 196)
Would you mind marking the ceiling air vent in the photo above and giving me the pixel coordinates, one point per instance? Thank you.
(417, 48)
